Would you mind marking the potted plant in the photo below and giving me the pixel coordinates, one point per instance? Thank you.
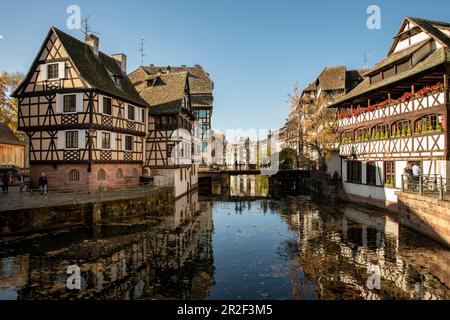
(438, 127)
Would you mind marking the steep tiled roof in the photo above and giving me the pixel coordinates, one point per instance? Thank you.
(94, 70)
(165, 93)
(438, 57)
(332, 78)
(429, 26)
(403, 54)
(199, 80)
(8, 137)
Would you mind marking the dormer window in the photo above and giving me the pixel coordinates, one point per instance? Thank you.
(116, 80)
(53, 71)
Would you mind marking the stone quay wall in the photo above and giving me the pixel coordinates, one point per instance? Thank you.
(427, 215)
(87, 213)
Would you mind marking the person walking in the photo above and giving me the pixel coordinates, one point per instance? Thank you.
(5, 183)
(416, 172)
(43, 185)
(407, 175)
(21, 181)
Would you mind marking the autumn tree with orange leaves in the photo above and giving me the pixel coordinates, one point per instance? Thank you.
(318, 127)
(9, 105)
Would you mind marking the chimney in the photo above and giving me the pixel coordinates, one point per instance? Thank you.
(93, 42)
(121, 60)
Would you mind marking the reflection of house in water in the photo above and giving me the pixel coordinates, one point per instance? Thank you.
(169, 259)
(249, 186)
(337, 251)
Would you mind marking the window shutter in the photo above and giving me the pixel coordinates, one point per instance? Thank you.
(62, 70)
(100, 103)
(81, 139)
(61, 140)
(123, 142)
(99, 139)
(79, 98)
(113, 141)
(59, 103)
(43, 72)
(139, 114)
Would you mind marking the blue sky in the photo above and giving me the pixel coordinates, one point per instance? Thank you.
(254, 50)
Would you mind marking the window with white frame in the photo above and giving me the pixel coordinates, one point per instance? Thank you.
(106, 140)
(107, 105)
(71, 139)
(131, 115)
(69, 103)
(53, 71)
(129, 143)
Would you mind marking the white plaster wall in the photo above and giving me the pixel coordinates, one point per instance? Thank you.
(371, 192)
(399, 169)
(173, 175)
(334, 164)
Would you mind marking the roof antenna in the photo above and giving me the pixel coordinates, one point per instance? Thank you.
(141, 50)
(366, 59)
(86, 29)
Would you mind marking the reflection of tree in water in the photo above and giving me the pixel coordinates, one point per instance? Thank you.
(334, 252)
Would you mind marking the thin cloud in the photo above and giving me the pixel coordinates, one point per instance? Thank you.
(1, 37)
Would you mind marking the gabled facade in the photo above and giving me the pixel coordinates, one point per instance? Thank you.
(172, 140)
(398, 115)
(331, 84)
(201, 91)
(85, 121)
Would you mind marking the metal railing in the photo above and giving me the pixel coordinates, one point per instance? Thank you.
(433, 185)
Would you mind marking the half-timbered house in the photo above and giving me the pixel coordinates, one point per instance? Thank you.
(172, 141)
(398, 115)
(12, 150)
(201, 90)
(85, 121)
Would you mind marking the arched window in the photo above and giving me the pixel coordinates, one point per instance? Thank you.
(401, 128)
(380, 131)
(428, 124)
(347, 137)
(134, 173)
(362, 134)
(119, 174)
(74, 175)
(101, 175)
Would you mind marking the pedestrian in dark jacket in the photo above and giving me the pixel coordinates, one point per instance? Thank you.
(21, 181)
(5, 183)
(43, 185)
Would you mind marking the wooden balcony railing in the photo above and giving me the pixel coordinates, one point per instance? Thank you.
(422, 143)
(416, 104)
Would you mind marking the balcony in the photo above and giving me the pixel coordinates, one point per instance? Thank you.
(397, 108)
(415, 145)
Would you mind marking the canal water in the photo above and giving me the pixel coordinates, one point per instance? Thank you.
(230, 248)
